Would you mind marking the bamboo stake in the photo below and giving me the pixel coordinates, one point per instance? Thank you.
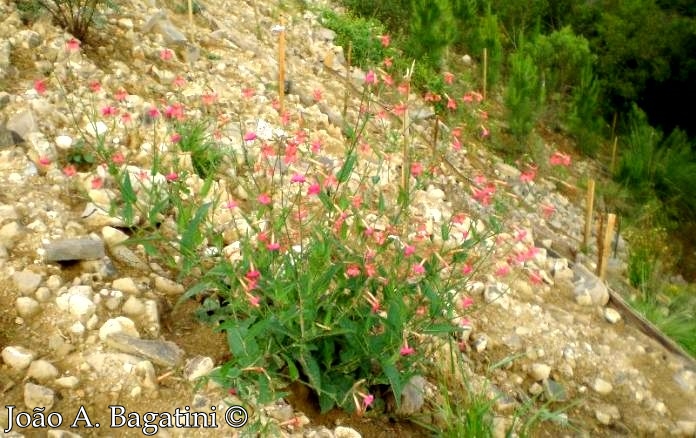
(485, 71)
(606, 246)
(588, 212)
(190, 12)
(613, 155)
(281, 66)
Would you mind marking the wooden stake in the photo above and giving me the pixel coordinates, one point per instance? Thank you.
(436, 131)
(606, 246)
(281, 67)
(613, 155)
(347, 90)
(588, 212)
(485, 71)
(190, 11)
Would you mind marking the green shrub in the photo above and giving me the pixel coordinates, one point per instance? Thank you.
(523, 95)
(75, 16)
(361, 34)
(431, 31)
(585, 122)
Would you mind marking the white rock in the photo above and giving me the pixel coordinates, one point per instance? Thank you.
(43, 294)
(17, 358)
(539, 371)
(26, 281)
(168, 286)
(198, 366)
(77, 305)
(64, 141)
(97, 128)
(27, 307)
(611, 315)
(38, 396)
(69, 382)
(126, 285)
(42, 370)
(601, 386)
(120, 324)
(145, 372)
(113, 237)
(346, 432)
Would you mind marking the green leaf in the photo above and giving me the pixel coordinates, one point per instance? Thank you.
(445, 231)
(292, 368)
(347, 168)
(394, 379)
(193, 291)
(191, 238)
(311, 369)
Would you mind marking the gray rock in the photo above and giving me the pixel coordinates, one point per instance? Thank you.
(38, 396)
(69, 382)
(128, 257)
(163, 353)
(4, 100)
(283, 412)
(324, 34)
(8, 137)
(412, 396)
(497, 293)
(346, 432)
(321, 432)
(481, 342)
(41, 145)
(74, 249)
(161, 24)
(554, 391)
(26, 281)
(42, 370)
(27, 307)
(198, 366)
(22, 123)
(17, 358)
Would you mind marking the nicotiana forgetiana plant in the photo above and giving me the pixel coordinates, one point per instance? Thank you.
(319, 270)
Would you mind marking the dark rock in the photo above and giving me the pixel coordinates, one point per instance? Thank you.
(162, 353)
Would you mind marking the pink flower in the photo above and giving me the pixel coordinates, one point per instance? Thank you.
(387, 62)
(418, 269)
(416, 169)
(166, 55)
(126, 118)
(409, 250)
(448, 77)
(44, 161)
(120, 94)
(559, 159)
(406, 350)
(484, 132)
(248, 93)
(353, 270)
(179, 81)
(209, 98)
(153, 112)
(175, 110)
(467, 269)
(231, 204)
(317, 95)
(252, 274)
(385, 40)
(313, 189)
(535, 277)
(456, 144)
(316, 146)
(175, 138)
(109, 111)
(273, 246)
(388, 79)
(118, 158)
(548, 210)
(69, 170)
(172, 176)
(400, 109)
(367, 400)
(467, 302)
(370, 78)
(97, 183)
(264, 199)
(404, 88)
(254, 300)
(298, 178)
(451, 104)
(528, 176)
(40, 86)
(95, 86)
(250, 136)
(72, 45)
(503, 270)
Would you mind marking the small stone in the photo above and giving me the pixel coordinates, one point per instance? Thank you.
(57, 433)
(43, 294)
(64, 142)
(126, 285)
(127, 256)
(113, 237)
(686, 428)
(37, 396)
(412, 399)
(536, 389)
(321, 432)
(27, 307)
(607, 414)
(601, 386)
(145, 372)
(539, 371)
(168, 286)
(120, 324)
(133, 307)
(281, 412)
(26, 281)
(96, 129)
(42, 370)
(198, 366)
(162, 353)
(17, 358)
(346, 432)
(69, 382)
(77, 305)
(554, 391)
(74, 249)
(611, 315)
(481, 342)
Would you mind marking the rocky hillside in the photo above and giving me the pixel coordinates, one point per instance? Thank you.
(88, 322)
